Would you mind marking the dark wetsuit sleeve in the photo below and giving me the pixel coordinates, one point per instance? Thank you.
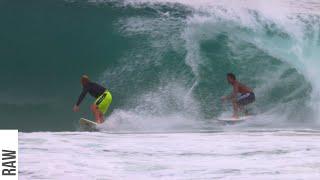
(82, 95)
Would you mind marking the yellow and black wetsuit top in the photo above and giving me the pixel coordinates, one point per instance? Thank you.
(94, 90)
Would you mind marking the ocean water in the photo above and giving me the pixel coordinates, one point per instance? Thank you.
(163, 60)
(165, 63)
(285, 154)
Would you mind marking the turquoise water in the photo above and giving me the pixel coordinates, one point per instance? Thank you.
(164, 62)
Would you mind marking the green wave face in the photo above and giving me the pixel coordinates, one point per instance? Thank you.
(165, 63)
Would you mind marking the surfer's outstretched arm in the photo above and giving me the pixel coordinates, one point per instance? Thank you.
(81, 97)
(233, 95)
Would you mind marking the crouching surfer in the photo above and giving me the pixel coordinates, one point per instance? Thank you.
(102, 95)
(247, 95)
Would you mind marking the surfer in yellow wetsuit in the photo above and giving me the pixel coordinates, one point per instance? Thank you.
(102, 95)
(247, 95)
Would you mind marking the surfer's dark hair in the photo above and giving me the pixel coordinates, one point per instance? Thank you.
(232, 76)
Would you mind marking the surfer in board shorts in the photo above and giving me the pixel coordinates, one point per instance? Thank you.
(102, 95)
(247, 95)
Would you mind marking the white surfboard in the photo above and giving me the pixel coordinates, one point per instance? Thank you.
(234, 120)
(88, 124)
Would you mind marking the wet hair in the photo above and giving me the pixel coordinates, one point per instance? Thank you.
(231, 75)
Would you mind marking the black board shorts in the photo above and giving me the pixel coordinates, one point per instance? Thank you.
(246, 99)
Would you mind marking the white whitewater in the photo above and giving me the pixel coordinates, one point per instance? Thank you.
(224, 155)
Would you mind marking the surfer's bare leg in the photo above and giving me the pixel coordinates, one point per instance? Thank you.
(101, 117)
(242, 109)
(235, 108)
(97, 114)
(247, 113)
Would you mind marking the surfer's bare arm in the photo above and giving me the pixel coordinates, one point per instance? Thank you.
(233, 94)
(235, 91)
